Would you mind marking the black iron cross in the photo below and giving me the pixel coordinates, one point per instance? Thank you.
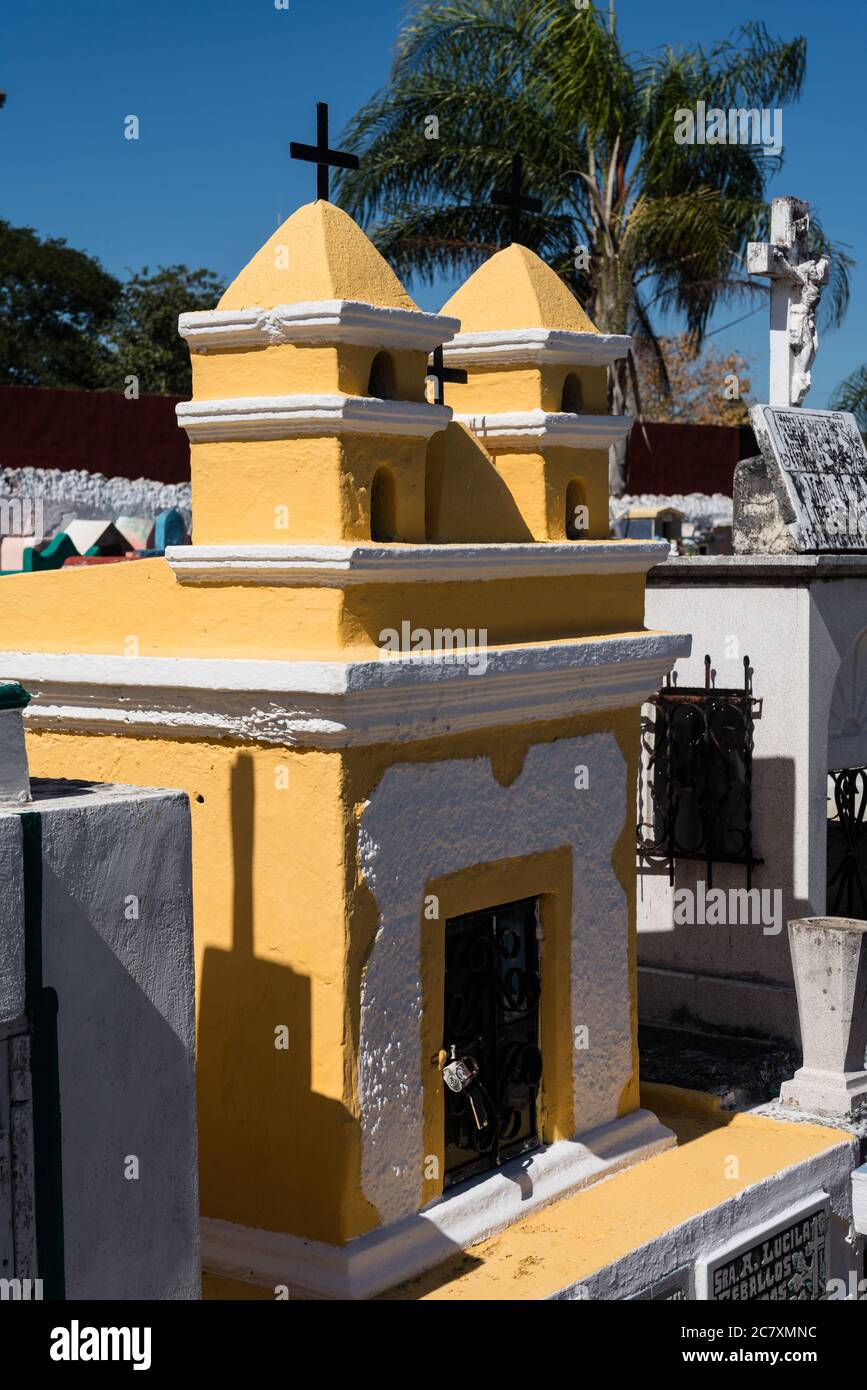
(513, 199)
(320, 155)
(441, 374)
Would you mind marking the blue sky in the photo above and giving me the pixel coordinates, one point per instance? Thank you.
(221, 86)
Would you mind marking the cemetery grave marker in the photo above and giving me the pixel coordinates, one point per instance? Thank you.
(781, 1262)
(816, 464)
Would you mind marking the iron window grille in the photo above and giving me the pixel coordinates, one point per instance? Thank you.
(696, 774)
(847, 844)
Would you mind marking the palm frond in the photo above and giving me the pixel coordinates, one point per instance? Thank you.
(665, 225)
(851, 394)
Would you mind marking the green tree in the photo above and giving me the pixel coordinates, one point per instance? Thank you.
(144, 334)
(664, 225)
(65, 322)
(851, 394)
(56, 307)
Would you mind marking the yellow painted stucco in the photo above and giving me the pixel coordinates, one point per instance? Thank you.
(141, 610)
(319, 488)
(505, 388)
(571, 1239)
(283, 928)
(298, 369)
(516, 289)
(273, 491)
(283, 920)
(466, 499)
(538, 484)
(318, 253)
(146, 612)
(521, 496)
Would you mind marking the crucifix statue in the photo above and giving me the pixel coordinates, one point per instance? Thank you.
(320, 155)
(796, 288)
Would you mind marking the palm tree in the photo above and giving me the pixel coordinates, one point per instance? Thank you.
(851, 394)
(663, 225)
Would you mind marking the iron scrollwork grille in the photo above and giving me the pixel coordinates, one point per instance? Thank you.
(847, 844)
(492, 990)
(696, 774)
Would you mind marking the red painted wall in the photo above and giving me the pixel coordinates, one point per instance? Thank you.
(98, 430)
(105, 433)
(687, 458)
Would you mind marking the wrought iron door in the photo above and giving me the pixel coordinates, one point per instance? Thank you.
(492, 987)
(847, 844)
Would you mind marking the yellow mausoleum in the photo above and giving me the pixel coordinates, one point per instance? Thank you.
(399, 673)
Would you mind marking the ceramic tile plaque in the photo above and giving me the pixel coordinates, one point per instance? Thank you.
(784, 1261)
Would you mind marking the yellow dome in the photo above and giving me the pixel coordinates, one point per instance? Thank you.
(318, 253)
(515, 289)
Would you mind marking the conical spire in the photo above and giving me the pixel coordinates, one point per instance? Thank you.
(318, 253)
(516, 289)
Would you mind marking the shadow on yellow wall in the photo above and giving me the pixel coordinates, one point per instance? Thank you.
(466, 499)
(269, 1119)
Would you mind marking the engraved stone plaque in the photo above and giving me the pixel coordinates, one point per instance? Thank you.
(817, 466)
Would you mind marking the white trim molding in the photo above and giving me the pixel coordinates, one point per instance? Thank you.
(334, 704)
(339, 566)
(316, 322)
(541, 345)
(285, 417)
(539, 429)
(478, 1209)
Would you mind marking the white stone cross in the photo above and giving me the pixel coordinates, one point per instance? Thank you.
(796, 288)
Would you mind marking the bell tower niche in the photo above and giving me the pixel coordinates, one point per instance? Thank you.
(309, 420)
(536, 394)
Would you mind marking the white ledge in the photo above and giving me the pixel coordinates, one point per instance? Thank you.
(338, 566)
(316, 321)
(539, 429)
(333, 704)
(544, 345)
(284, 417)
(476, 1210)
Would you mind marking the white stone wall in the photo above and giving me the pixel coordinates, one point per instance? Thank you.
(113, 868)
(745, 1216)
(797, 635)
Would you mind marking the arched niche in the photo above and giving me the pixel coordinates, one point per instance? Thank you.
(572, 400)
(383, 506)
(576, 519)
(381, 382)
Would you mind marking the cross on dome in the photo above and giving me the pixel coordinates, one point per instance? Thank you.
(320, 154)
(514, 198)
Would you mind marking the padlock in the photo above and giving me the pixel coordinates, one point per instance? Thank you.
(462, 1074)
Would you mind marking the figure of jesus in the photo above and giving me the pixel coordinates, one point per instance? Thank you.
(809, 276)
